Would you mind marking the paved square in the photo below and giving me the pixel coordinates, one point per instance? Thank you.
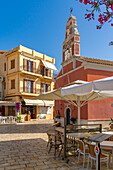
(24, 146)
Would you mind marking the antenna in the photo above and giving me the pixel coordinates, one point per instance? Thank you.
(71, 9)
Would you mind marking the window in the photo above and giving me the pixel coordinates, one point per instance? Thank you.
(44, 88)
(4, 66)
(28, 86)
(29, 66)
(12, 84)
(0, 94)
(11, 111)
(12, 64)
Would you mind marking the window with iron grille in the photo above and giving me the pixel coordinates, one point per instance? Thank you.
(12, 64)
(12, 84)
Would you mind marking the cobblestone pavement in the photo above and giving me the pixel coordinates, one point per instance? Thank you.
(24, 146)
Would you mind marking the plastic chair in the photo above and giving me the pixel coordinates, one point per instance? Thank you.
(82, 150)
(92, 155)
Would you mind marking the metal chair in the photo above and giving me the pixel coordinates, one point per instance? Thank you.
(49, 133)
(83, 151)
(54, 141)
(92, 155)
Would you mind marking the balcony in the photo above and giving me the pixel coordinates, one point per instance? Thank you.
(37, 72)
(29, 90)
(34, 72)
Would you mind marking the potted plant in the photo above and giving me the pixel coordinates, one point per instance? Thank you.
(18, 119)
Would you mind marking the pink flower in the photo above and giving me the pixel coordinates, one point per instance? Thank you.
(100, 16)
(105, 19)
(112, 7)
(85, 2)
(88, 16)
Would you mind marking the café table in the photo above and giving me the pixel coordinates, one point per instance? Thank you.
(78, 135)
(59, 130)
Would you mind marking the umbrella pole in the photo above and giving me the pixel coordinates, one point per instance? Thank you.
(78, 104)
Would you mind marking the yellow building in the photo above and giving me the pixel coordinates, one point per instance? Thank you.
(26, 73)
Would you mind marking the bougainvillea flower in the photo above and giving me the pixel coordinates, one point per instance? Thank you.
(105, 19)
(85, 2)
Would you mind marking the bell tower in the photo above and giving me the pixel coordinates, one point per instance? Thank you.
(71, 44)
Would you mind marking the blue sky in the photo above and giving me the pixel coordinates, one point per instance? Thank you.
(40, 25)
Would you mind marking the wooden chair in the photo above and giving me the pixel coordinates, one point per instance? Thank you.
(82, 150)
(92, 155)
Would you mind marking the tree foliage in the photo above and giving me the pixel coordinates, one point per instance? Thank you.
(105, 10)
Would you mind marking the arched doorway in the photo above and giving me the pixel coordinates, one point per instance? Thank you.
(68, 116)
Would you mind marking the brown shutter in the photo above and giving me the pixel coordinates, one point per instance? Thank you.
(12, 84)
(12, 64)
(41, 89)
(33, 86)
(41, 68)
(34, 67)
(25, 85)
(49, 87)
(25, 64)
(47, 72)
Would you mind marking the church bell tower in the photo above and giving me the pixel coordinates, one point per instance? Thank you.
(71, 44)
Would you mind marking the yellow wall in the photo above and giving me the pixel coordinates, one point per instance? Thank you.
(17, 73)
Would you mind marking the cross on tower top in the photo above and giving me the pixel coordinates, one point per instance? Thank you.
(71, 10)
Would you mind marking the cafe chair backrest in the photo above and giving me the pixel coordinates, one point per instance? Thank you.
(81, 145)
(91, 149)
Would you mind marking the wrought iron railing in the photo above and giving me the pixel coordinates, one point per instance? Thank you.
(37, 71)
(30, 90)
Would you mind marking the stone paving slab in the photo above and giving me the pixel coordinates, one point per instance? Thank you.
(24, 146)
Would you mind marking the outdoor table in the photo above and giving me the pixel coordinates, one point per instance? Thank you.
(107, 145)
(99, 138)
(59, 129)
(78, 135)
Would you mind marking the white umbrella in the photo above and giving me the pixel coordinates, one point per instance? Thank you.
(79, 94)
(84, 93)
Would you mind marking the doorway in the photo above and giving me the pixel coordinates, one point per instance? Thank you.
(68, 116)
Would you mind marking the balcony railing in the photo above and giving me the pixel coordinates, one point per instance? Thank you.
(47, 74)
(37, 71)
(29, 90)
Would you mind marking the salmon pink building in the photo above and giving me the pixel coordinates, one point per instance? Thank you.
(76, 67)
